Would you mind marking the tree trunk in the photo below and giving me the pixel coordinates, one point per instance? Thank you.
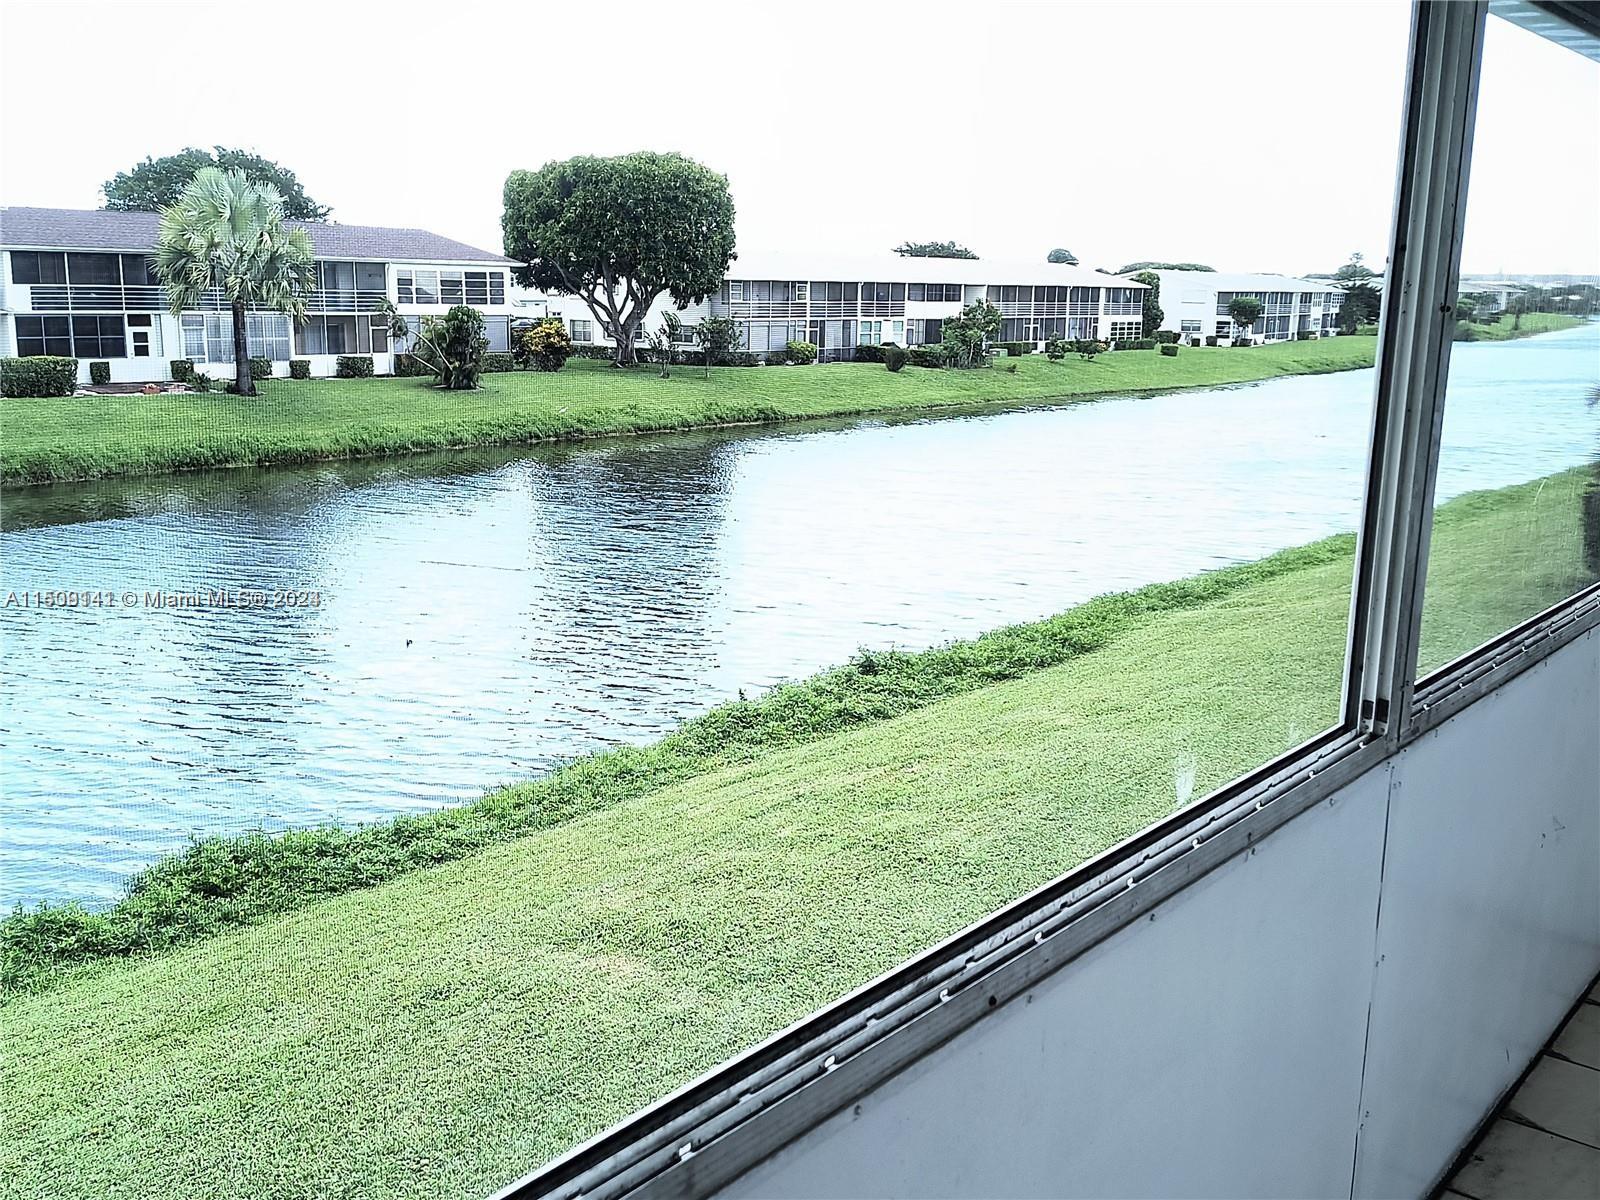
(243, 384)
(625, 356)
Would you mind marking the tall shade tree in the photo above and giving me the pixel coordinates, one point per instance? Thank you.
(226, 232)
(619, 232)
(1153, 316)
(157, 183)
(933, 250)
(1244, 311)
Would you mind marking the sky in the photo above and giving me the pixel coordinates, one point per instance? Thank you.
(1250, 136)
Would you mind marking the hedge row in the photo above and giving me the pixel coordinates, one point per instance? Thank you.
(39, 375)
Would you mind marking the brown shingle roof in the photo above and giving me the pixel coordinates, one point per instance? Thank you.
(95, 229)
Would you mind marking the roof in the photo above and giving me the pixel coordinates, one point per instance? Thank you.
(899, 268)
(97, 229)
(1243, 281)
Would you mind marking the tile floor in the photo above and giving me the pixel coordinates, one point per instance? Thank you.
(1545, 1142)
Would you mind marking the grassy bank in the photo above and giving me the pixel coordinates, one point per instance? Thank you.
(1509, 327)
(440, 1033)
(85, 437)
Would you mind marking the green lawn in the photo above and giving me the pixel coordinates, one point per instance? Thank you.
(87, 437)
(438, 1035)
(1531, 324)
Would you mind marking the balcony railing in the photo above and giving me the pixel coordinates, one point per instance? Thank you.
(95, 297)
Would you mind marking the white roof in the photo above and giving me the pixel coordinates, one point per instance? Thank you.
(1238, 281)
(899, 268)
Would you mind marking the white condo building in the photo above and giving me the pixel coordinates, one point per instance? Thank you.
(839, 303)
(1194, 304)
(78, 283)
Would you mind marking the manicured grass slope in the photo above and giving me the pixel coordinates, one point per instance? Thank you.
(1530, 325)
(90, 436)
(442, 1033)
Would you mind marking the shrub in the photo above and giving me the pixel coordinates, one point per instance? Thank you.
(776, 358)
(894, 357)
(871, 354)
(1165, 337)
(1087, 348)
(928, 356)
(1367, 330)
(201, 382)
(1014, 347)
(1241, 341)
(408, 366)
(545, 345)
(354, 366)
(588, 350)
(100, 373)
(1056, 348)
(803, 353)
(38, 375)
(1170, 349)
(1211, 339)
(740, 358)
(299, 368)
(1135, 344)
(498, 360)
(453, 346)
(260, 368)
(182, 369)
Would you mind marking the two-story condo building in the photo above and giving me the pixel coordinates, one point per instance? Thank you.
(1195, 305)
(79, 283)
(838, 304)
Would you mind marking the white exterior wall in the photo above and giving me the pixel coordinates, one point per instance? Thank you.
(1192, 296)
(16, 300)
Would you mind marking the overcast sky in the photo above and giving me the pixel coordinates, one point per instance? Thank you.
(1248, 136)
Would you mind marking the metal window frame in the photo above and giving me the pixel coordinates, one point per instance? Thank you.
(712, 1130)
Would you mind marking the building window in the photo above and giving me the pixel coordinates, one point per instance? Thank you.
(916, 291)
(451, 289)
(497, 287)
(144, 336)
(95, 336)
(1224, 329)
(404, 289)
(736, 291)
(802, 292)
(426, 287)
(582, 331)
(101, 269)
(1126, 331)
(208, 337)
(870, 333)
(477, 287)
(44, 335)
(1190, 327)
(266, 334)
(34, 266)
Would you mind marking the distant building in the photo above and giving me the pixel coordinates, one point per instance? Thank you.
(838, 304)
(79, 283)
(1195, 305)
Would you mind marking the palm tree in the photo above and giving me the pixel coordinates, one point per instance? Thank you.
(226, 232)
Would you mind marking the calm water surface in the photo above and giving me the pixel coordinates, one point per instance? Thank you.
(483, 615)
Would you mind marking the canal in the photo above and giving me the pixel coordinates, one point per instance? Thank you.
(440, 624)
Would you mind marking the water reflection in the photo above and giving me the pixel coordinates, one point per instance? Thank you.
(485, 614)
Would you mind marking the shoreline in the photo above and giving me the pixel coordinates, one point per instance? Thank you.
(797, 394)
(231, 881)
